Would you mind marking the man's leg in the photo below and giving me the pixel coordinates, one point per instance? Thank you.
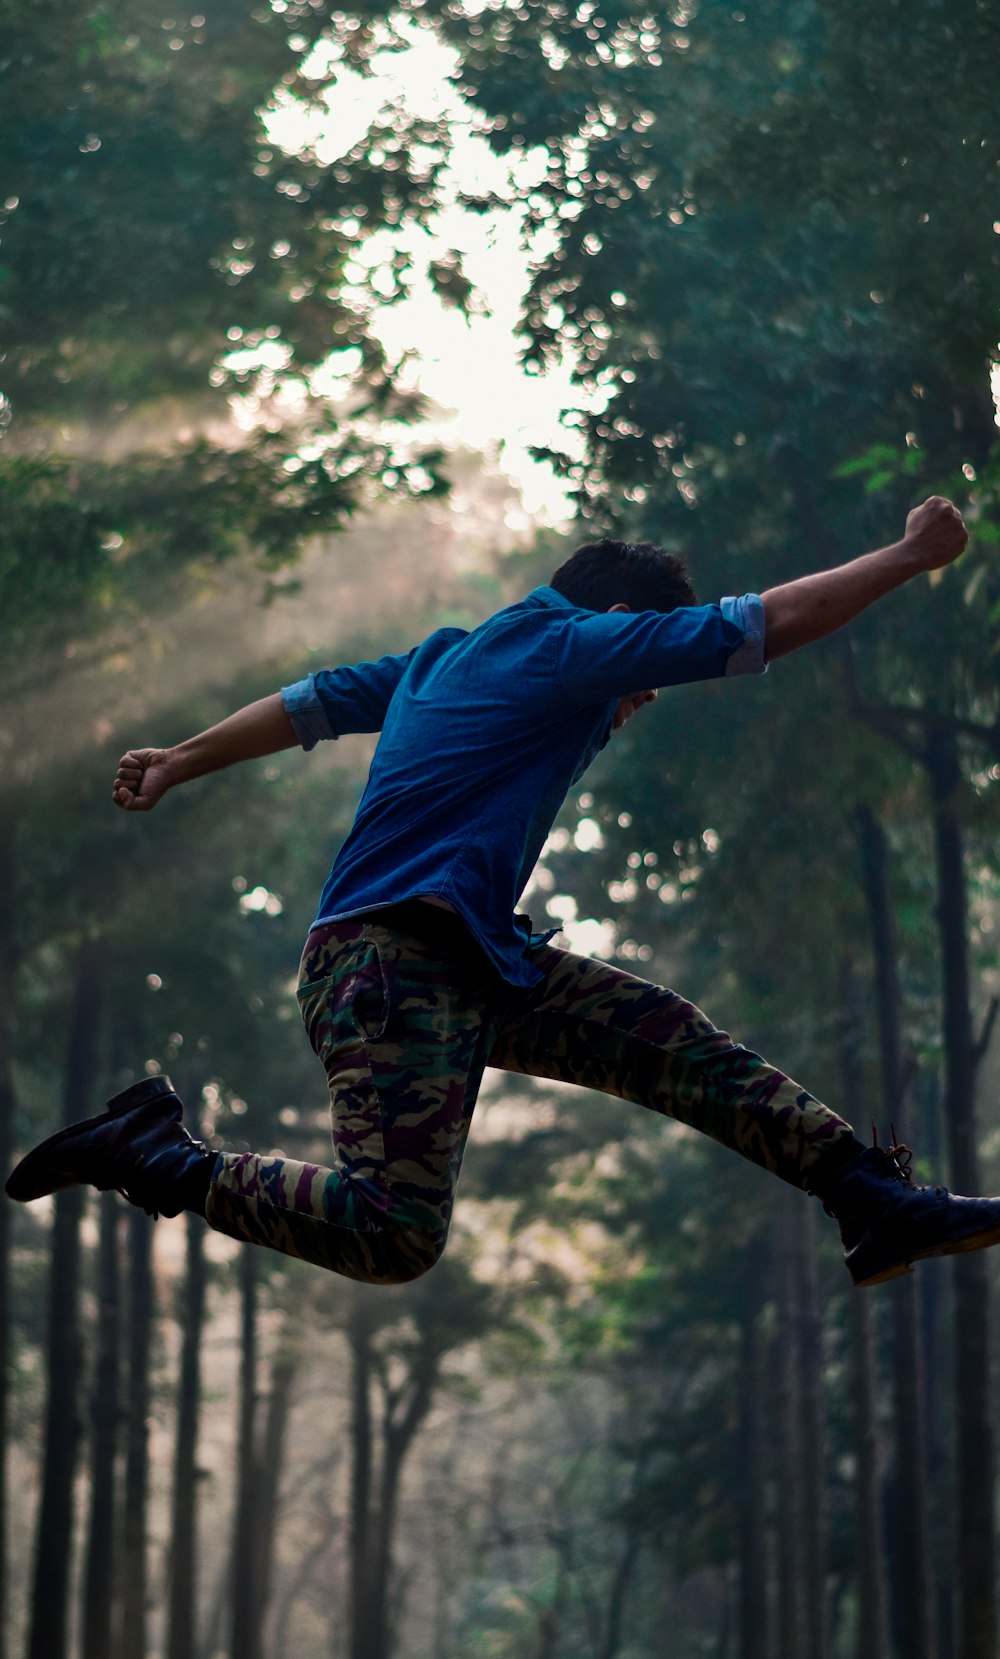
(593, 1024)
(403, 1031)
(596, 1025)
(403, 1026)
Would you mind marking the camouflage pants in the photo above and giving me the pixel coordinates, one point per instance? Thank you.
(405, 1029)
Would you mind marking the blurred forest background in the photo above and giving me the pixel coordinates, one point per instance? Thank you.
(637, 1411)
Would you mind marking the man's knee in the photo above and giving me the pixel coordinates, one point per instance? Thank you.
(411, 1252)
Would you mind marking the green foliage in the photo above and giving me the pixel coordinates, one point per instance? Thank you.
(54, 558)
(150, 219)
(882, 465)
(162, 256)
(89, 548)
(756, 299)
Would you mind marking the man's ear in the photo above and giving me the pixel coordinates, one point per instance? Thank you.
(626, 608)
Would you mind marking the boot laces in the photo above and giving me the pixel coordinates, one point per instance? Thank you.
(900, 1157)
(897, 1154)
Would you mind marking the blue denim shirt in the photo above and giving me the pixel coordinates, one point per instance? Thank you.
(483, 734)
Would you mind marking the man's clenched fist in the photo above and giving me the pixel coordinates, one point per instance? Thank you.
(936, 531)
(143, 776)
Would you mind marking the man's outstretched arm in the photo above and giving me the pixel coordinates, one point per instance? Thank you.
(262, 728)
(806, 610)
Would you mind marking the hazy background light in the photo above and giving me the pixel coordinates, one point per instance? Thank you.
(468, 367)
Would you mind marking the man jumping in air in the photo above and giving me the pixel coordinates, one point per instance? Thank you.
(418, 973)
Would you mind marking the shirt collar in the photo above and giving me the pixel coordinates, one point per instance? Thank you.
(549, 597)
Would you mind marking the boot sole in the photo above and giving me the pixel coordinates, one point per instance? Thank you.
(28, 1180)
(880, 1274)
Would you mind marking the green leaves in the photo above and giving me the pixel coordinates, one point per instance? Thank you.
(55, 557)
(882, 465)
(88, 546)
(179, 259)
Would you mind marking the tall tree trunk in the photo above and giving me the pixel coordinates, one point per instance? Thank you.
(246, 1633)
(551, 1616)
(621, 1580)
(935, 1319)
(50, 1599)
(272, 1461)
(132, 1634)
(366, 1621)
(753, 1637)
(182, 1593)
(872, 1636)
(974, 1460)
(8, 973)
(403, 1416)
(786, 1431)
(375, 1479)
(812, 1419)
(377, 1462)
(871, 1640)
(914, 1597)
(105, 1414)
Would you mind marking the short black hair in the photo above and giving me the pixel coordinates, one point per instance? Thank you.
(637, 574)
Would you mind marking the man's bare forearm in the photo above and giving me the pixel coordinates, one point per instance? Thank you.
(262, 728)
(812, 607)
(800, 612)
(145, 775)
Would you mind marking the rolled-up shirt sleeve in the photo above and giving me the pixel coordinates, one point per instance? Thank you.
(747, 611)
(335, 701)
(310, 721)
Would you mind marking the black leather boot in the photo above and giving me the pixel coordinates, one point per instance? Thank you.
(887, 1223)
(138, 1147)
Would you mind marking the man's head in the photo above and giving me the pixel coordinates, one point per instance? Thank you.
(637, 575)
(625, 576)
